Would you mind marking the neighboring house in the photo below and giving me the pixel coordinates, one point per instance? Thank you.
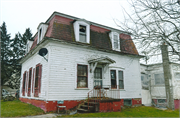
(153, 86)
(80, 55)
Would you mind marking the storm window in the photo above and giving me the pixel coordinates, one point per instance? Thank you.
(82, 33)
(82, 76)
(121, 79)
(113, 79)
(115, 40)
(177, 75)
(159, 79)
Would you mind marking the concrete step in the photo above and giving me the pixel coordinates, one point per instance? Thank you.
(86, 107)
(80, 110)
(91, 103)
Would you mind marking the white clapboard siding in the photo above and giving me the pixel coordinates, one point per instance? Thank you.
(63, 72)
(32, 62)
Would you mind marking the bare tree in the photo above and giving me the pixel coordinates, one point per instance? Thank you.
(154, 22)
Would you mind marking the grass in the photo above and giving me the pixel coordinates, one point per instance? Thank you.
(132, 112)
(17, 108)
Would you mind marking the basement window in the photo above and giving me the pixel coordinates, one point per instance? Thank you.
(161, 101)
(159, 79)
(127, 102)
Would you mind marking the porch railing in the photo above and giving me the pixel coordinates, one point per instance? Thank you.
(105, 92)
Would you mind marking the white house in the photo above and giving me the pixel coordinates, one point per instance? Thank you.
(153, 85)
(80, 55)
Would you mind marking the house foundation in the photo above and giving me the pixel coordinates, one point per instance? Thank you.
(104, 105)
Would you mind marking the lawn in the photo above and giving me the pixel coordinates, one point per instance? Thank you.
(132, 112)
(17, 108)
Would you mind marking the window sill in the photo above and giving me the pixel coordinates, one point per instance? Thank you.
(117, 50)
(81, 88)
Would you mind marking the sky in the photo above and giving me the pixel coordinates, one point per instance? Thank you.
(21, 14)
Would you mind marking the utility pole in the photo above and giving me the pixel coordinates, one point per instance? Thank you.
(167, 77)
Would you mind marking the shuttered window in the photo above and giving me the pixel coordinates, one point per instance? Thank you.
(37, 84)
(33, 80)
(29, 82)
(82, 76)
(24, 83)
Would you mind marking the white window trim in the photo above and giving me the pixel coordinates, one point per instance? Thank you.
(117, 77)
(76, 30)
(111, 35)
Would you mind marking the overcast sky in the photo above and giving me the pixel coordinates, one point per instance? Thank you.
(21, 14)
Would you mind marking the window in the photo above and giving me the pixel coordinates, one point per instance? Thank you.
(161, 101)
(121, 80)
(115, 42)
(82, 31)
(37, 85)
(42, 28)
(24, 83)
(159, 79)
(82, 76)
(29, 83)
(127, 102)
(98, 77)
(40, 34)
(114, 36)
(113, 79)
(177, 75)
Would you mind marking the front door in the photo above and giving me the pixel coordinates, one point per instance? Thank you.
(98, 77)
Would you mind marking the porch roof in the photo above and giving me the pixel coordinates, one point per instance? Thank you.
(102, 60)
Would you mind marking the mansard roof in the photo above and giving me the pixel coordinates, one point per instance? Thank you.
(61, 28)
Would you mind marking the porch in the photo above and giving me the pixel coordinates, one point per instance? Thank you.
(102, 99)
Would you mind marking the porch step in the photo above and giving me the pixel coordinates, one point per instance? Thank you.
(80, 110)
(91, 103)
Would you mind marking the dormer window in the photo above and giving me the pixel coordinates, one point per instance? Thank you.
(82, 31)
(42, 28)
(114, 36)
(40, 31)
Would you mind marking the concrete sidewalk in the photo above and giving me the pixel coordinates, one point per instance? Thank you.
(42, 116)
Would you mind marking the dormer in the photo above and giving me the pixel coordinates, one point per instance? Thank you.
(28, 45)
(42, 28)
(82, 31)
(115, 40)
